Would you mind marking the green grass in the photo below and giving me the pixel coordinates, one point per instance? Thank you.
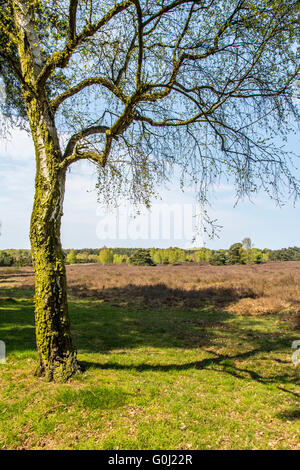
(163, 379)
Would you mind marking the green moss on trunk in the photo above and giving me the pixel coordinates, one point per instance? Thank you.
(57, 355)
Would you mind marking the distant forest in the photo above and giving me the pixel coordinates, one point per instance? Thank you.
(238, 253)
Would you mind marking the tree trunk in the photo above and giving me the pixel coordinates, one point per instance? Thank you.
(57, 356)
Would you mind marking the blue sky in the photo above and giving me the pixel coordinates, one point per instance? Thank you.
(84, 221)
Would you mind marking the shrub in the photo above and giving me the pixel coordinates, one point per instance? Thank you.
(141, 257)
(203, 255)
(6, 259)
(156, 257)
(119, 259)
(71, 257)
(172, 255)
(106, 256)
(236, 254)
(218, 258)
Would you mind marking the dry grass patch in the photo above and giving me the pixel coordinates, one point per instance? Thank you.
(250, 290)
(246, 290)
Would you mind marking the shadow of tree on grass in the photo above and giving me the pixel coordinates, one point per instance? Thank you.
(99, 327)
(292, 414)
(153, 296)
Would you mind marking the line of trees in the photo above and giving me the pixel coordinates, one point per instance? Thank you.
(238, 253)
(15, 258)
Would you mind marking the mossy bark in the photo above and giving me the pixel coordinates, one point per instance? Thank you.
(57, 356)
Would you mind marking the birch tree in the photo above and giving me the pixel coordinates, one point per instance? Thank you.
(138, 86)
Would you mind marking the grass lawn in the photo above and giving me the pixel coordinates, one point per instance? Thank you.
(156, 379)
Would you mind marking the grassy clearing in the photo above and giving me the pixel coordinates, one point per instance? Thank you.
(157, 378)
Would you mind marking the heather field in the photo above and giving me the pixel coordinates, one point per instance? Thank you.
(173, 357)
(246, 290)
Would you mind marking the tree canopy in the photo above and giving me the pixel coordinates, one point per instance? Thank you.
(140, 85)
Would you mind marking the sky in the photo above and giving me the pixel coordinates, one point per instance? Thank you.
(172, 222)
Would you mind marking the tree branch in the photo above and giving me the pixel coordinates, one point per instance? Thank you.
(56, 102)
(170, 7)
(72, 19)
(61, 59)
(141, 42)
(81, 135)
